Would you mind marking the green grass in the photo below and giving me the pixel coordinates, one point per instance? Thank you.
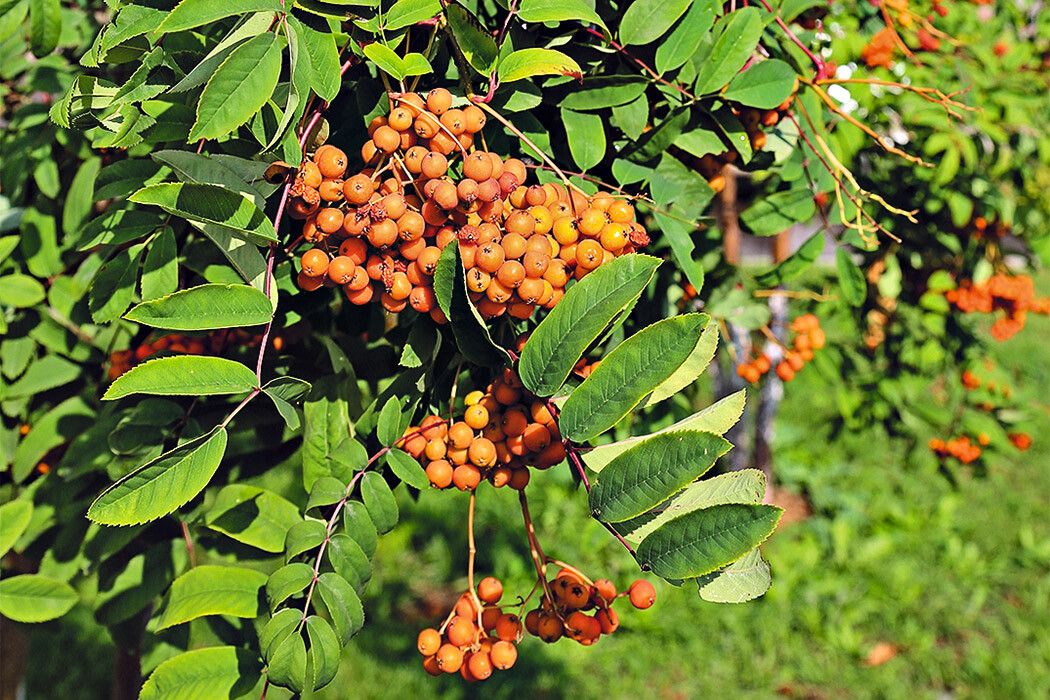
(956, 578)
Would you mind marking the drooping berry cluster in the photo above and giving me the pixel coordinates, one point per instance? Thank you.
(1014, 295)
(961, 448)
(476, 641)
(565, 614)
(808, 338)
(503, 431)
(380, 232)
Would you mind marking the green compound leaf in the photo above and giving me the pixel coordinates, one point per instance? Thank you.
(163, 485)
(183, 375)
(212, 673)
(579, 318)
(277, 629)
(652, 471)
(206, 307)
(34, 598)
(526, 63)
(704, 540)
(253, 516)
(209, 204)
(379, 500)
(213, 590)
(303, 536)
(745, 579)
(629, 374)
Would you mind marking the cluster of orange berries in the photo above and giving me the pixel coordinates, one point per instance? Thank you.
(573, 595)
(479, 638)
(754, 121)
(879, 51)
(380, 232)
(123, 360)
(961, 448)
(808, 337)
(503, 431)
(1013, 295)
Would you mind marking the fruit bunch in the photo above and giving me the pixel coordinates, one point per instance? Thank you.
(1014, 295)
(379, 232)
(123, 360)
(572, 596)
(961, 448)
(503, 431)
(479, 637)
(808, 338)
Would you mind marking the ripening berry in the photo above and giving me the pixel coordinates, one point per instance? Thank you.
(466, 607)
(482, 452)
(439, 472)
(466, 477)
(331, 161)
(785, 372)
(314, 262)
(307, 283)
(449, 658)
(461, 631)
(550, 629)
(581, 626)
(358, 189)
(621, 211)
(489, 590)
(795, 360)
(428, 642)
(642, 594)
(460, 435)
(508, 627)
(608, 620)
(386, 139)
(311, 174)
(439, 100)
(480, 665)
(606, 589)
(489, 616)
(475, 119)
(341, 269)
(817, 338)
(503, 655)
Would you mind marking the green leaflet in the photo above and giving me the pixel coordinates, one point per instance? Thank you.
(163, 485)
(652, 471)
(745, 579)
(704, 540)
(183, 375)
(212, 590)
(628, 374)
(206, 307)
(212, 673)
(35, 598)
(579, 318)
(252, 516)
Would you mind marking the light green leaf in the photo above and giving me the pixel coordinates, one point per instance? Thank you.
(45, 26)
(252, 516)
(691, 369)
(160, 271)
(646, 20)
(212, 590)
(287, 668)
(586, 135)
(193, 13)
(163, 485)
(206, 307)
(728, 54)
(526, 63)
(699, 542)
(304, 536)
(745, 579)
(14, 518)
(239, 87)
(559, 11)
(379, 500)
(34, 598)
(385, 58)
(212, 673)
(287, 581)
(20, 291)
(184, 375)
(764, 85)
(46, 373)
(349, 560)
(579, 318)
(326, 491)
(628, 375)
(474, 40)
(360, 527)
(683, 42)
(407, 12)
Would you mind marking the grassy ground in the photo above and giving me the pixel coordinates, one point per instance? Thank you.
(954, 580)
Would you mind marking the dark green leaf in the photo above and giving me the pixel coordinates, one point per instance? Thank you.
(559, 11)
(851, 280)
(406, 468)
(764, 85)
(474, 40)
(114, 287)
(253, 516)
(324, 651)
(683, 42)
(735, 44)
(211, 205)
(360, 527)
(287, 668)
(349, 561)
(472, 336)
(344, 607)
(287, 581)
(45, 26)
(704, 540)
(304, 536)
(586, 135)
(160, 271)
(277, 629)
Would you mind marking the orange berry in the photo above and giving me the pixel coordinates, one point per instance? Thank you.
(608, 620)
(449, 658)
(482, 452)
(314, 262)
(785, 372)
(428, 642)
(476, 416)
(490, 589)
(460, 435)
(642, 594)
(480, 665)
(439, 472)
(466, 477)
(461, 631)
(503, 655)
(508, 627)
(550, 629)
